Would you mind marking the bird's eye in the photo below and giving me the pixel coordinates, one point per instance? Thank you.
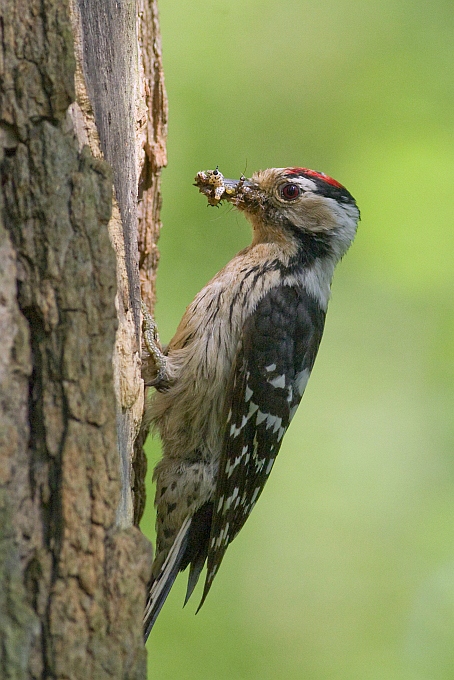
(290, 191)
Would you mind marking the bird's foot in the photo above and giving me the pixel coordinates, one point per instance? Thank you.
(151, 338)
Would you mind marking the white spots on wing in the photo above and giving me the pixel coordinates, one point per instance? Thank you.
(229, 417)
(234, 431)
(255, 494)
(223, 537)
(229, 468)
(293, 411)
(301, 379)
(290, 393)
(230, 500)
(212, 573)
(255, 449)
(271, 421)
(271, 367)
(269, 466)
(221, 501)
(277, 424)
(281, 433)
(274, 422)
(259, 464)
(248, 393)
(278, 382)
(252, 409)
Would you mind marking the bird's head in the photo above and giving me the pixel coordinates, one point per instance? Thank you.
(297, 206)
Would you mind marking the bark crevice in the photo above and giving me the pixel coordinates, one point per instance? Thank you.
(73, 570)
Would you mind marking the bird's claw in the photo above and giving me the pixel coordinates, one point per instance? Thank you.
(153, 345)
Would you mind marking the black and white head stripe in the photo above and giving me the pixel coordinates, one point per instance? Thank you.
(273, 363)
(323, 184)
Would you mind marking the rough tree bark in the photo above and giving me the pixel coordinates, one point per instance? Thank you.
(82, 131)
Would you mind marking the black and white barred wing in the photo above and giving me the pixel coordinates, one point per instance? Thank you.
(273, 363)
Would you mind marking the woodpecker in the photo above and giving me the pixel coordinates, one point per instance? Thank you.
(232, 377)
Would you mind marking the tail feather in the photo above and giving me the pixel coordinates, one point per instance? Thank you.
(194, 573)
(161, 585)
(197, 550)
(189, 548)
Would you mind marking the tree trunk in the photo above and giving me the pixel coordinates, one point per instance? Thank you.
(82, 131)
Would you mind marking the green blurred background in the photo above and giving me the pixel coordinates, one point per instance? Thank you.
(345, 570)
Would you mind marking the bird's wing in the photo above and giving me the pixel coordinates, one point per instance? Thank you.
(279, 344)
